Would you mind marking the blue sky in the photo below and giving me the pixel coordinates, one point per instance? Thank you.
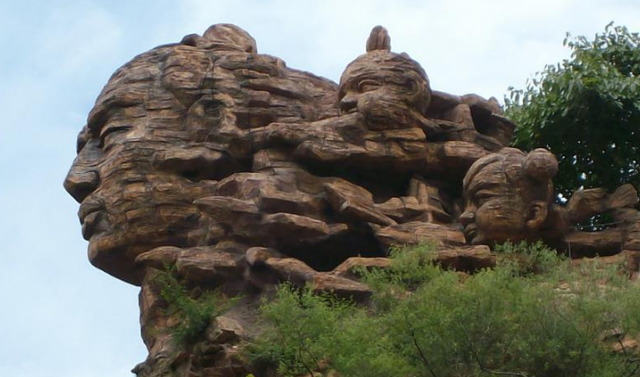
(61, 317)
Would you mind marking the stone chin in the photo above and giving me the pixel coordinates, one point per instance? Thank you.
(115, 253)
(112, 257)
(476, 237)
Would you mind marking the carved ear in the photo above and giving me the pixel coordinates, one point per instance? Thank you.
(537, 214)
(541, 165)
(379, 39)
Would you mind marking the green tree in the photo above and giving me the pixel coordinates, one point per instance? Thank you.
(586, 110)
(534, 315)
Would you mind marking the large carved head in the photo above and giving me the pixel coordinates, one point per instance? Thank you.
(136, 172)
(165, 128)
(388, 89)
(508, 195)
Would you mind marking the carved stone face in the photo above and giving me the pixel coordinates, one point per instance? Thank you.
(166, 127)
(494, 209)
(133, 195)
(388, 89)
(507, 195)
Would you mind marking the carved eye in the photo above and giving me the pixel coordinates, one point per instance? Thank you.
(368, 85)
(108, 131)
(482, 196)
(411, 84)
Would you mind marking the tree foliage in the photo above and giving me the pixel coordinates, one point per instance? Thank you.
(193, 314)
(426, 321)
(586, 110)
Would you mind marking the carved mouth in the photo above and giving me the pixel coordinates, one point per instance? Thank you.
(349, 110)
(89, 224)
(90, 214)
(470, 232)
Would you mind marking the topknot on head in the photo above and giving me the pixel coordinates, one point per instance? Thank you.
(379, 39)
(223, 37)
(540, 165)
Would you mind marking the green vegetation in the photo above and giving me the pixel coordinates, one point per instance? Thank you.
(425, 321)
(586, 110)
(193, 310)
(526, 259)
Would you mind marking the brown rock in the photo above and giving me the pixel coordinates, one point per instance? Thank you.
(480, 108)
(499, 128)
(452, 158)
(207, 264)
(584, 204)
(625, 215)
(160, 257)
(415, 232)
(257, 256)
(354, 203)
(210, 156)
(625, 196)
(225, 330)
(341, 287)
(291, 269)
(603, 243)
(349, 268)
(291, 227)
(460, 114)
(441, 101)
(468, 258)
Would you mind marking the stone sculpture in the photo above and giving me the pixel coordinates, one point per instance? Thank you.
(508, 196)
(242, 172)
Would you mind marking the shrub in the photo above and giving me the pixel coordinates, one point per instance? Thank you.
(194, 314)
(586, 110)
(526, 259)
(303, 325)
(504, 321)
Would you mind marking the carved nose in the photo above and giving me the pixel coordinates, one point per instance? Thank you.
(83, 177)
(467, 218)
(348, 103)
(80, 182)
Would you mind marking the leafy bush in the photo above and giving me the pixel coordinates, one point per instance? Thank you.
(586, 110)
(526, 259)
(194, 314)
(504, 321)
(304, 325)
(409, 268)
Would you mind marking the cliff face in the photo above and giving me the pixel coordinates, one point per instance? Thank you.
(236, 173)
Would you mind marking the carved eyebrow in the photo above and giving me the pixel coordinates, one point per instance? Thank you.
(354, 80)
(82, 139)
(482, 185)
(108, 102)
(113, 128)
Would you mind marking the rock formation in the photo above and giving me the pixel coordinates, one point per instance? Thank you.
(242, 173)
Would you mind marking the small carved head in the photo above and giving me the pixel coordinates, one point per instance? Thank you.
(388, 89)
(507, 196)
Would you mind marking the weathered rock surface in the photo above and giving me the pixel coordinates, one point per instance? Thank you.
(241, 173)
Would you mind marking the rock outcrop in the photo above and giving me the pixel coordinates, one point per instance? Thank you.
(241, 173)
